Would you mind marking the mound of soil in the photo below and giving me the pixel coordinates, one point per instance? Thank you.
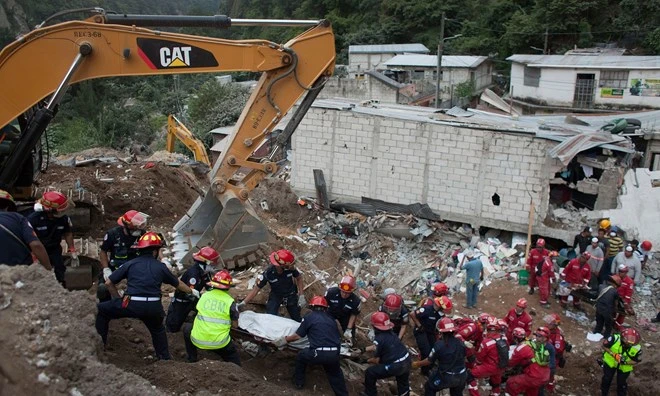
(282, 204)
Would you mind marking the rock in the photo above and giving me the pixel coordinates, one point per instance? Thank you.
(43, 378)
(19, 285)
(75, 392)
(41, 363)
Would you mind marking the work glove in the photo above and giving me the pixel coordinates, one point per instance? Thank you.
(302, 302)
(417, 364)
(348, 334)
(75, 261)
(280, 342)
(241, 306)
(617, 357)
(106, 273)
(195, 293)
(468, 344)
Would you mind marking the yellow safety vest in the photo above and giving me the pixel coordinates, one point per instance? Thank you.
(212, 323)
(617, 348)
(541, 354)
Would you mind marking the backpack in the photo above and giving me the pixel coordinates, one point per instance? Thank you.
(502, 352)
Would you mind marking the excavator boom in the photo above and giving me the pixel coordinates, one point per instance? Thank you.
(176, 130)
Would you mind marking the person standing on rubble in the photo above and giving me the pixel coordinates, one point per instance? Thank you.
(424, 320)
(625, 291)
(117, 247)
(144, 277)
(391, 357)
(643, 251)
(216, 315)
(545, 276)
(324, 344)
(449, 354)
(489, 363)
(582, 240)
(196, 277)
(606, 306)
(595, 262)
(622, 353)
(474, 274)
(518, 317)
(535, 259)
(394, 307)
(628, 259)
(577, 273)
(286, 286)
(51, 226)
(344, 305)
(615, 246)
(19, 241)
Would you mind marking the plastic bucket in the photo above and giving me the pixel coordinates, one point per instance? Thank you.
(523, 277)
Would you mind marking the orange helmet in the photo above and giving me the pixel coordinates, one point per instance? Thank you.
(604, 224)
(318, 301)
(54, 201)
(443, 302)
(222, 280)
(521, 303)
(207, 255)
(381, 321)
(347, 283)
(445, 325)
(630, 336)
(133, 218)
(440, 289)
(282, 257)
(5, 196)
(149, 240)
(393, 303)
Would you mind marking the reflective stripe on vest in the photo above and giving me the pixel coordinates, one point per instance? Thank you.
(213, 322)
(617, 348)
(541, 355)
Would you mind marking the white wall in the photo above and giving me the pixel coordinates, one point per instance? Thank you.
(364, 62)
(628, 98)
(455, 170)
(359, 89)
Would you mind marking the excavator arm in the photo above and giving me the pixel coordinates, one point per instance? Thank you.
(176, 130)
(36, 69)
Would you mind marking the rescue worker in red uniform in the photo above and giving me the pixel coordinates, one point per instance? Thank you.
(398, 313)
(471, 333)
(625, 293)
(578, 273)
(556, 338)
(535, 259)
(488, 361)
(518, 317)
(438, 290)
(534, 357)
(545, 276)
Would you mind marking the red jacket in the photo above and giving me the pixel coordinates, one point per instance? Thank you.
(547, 269)
(487, 354)
(575, 274)
(522, 356)
(471, 331)
(536, 257)
(558, 341)
(626, 289)
(523, 321)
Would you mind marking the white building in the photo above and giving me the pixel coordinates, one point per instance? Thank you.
(585, 81)
(369, 57)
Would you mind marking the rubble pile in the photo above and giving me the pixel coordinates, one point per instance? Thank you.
(569, 217)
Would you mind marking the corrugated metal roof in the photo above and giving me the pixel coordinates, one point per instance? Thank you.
(465, 61)
(587, 61)
(388, 49)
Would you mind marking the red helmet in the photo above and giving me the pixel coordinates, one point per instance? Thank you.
(492, 324)
(381, 321)
(445, 325)
(502, 324)
(623, 269)
(542, 331)
(282, 257)
(630, 336)
(318, 301)
(4, 195)
(149, 240)
(440, 289)
(133, 218)
(347, 283)
(483, 318)
(521, 303)
(540, 242)
(207, 255)
(55, 201)
(221, 280)
(519, 333)
(646, 245)
(443, 302)
(393, 303)
(586, 255)
(552, 319)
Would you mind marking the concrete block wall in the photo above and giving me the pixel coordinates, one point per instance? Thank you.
(359, 89)
(455, 170)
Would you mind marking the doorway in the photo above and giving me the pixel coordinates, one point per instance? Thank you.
(584, 91)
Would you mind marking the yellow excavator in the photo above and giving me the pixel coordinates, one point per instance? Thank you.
(176, 130)
(36, 70)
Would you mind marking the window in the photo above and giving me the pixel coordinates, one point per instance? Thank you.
(614, 79)
(417, 74)
(532, 76)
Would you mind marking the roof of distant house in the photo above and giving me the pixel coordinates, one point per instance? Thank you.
(587, 61)
(388, 49)
(464, 61)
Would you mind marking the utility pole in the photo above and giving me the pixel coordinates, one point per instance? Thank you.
(545, 44)
(441, 44)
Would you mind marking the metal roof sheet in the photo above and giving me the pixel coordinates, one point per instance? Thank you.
(464, 61)
(587, 61)
(388, 48)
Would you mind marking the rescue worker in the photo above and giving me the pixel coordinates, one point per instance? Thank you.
(324, 342)
(577, 273)
(534, 357)
(471, 333)
(117, 247)
(488, 361)
(344, 305)
(449, 354)
(391, 357)
(536, 257)
(438, 290)
(628, 259)
(286, 285)
(603, 242)
(625, 291)
(196, 277)
(606, 306)
(424, 319)
(545, 276)
(144, 277)
(582, 240)
(556, 338)
(615, 245)
(643, 251)
(519, 336)
(518, 317)
(216, 315)
(398, 313)
(19, 241)
(474, 274)
(51, 226)
(622, 352)
(595, 262)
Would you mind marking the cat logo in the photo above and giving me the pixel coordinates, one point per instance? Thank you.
(165, 54)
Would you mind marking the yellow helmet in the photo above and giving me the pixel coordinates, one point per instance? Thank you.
(605, 224)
